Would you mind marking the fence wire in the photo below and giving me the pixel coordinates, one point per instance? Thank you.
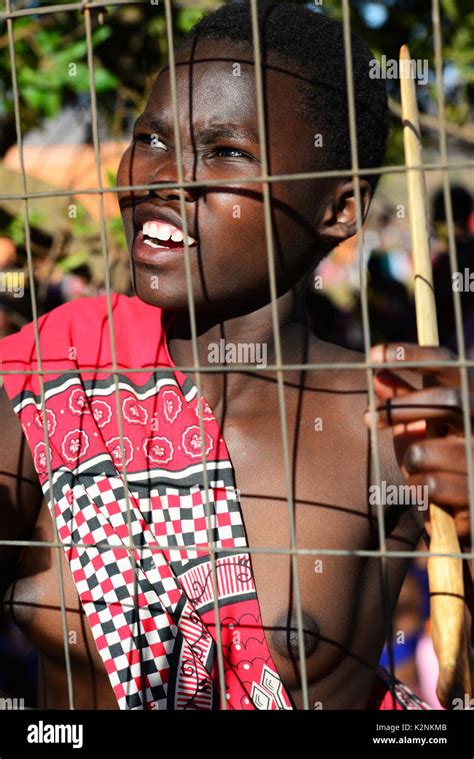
(265, 179)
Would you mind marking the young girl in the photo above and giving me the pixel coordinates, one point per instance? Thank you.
(169, 489)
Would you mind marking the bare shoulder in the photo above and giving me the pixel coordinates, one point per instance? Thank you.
(329, 365)
(343, 378)
(20, 491)
(345, 370)
(339, 384)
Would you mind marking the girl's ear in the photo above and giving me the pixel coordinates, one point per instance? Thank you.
(339, 220)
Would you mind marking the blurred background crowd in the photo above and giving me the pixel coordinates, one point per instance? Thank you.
(65, 231)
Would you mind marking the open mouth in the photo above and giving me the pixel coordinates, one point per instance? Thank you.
(164, 236)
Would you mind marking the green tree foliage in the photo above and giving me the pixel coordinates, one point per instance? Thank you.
(130, 44)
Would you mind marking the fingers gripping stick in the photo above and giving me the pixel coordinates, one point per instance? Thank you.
(449, 628)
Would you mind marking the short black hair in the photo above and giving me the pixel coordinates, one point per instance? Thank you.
(315, 44)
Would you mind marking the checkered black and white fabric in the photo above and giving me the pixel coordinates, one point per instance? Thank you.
(139, 505)
(142, 507)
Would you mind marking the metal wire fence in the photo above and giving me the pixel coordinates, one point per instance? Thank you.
(265, 179)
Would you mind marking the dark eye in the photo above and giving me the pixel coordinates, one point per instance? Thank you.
(153, 140)
(228, 152)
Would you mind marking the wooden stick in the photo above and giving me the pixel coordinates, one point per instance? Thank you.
(445, 574)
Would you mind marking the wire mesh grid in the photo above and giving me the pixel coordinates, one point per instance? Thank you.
(279, 368)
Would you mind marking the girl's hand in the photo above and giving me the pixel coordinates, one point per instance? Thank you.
(435, 458)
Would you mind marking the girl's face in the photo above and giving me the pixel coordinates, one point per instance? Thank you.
(218, 128)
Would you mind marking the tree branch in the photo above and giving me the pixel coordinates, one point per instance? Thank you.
(464, 133)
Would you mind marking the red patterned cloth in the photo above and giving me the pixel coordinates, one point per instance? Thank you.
(152, 607)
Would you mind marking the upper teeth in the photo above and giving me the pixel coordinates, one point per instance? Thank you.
(162, 231)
